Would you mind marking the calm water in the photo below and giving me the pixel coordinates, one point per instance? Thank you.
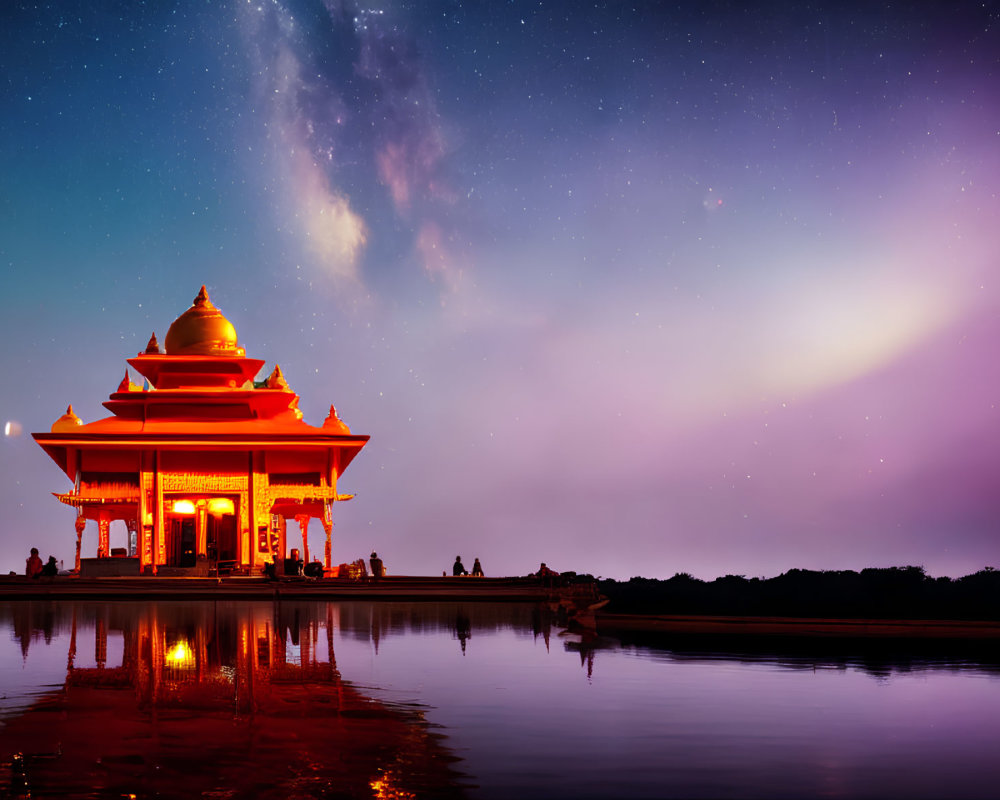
(353, 699)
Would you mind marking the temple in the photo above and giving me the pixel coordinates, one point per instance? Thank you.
(204, 466)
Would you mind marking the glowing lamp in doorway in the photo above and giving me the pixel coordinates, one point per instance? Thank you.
(218, 506)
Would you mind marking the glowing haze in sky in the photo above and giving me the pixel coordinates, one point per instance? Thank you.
(627, 288)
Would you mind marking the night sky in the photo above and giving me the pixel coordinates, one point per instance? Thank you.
(632, 289)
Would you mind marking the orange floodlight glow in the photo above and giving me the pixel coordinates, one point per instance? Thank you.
(221, 505)
(183, 507)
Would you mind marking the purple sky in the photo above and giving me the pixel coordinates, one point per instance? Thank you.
(627, 289)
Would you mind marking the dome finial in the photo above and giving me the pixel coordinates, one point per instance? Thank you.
(67, 422)
(202, 300)
(335, 424)
(152, 346)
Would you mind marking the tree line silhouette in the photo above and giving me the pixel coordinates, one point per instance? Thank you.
(875, 593)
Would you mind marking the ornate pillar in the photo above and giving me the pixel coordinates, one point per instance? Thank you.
(81, 523)
(146, 507)
(328, 528)
(260, 514)
(247, 532)
(103, 536)
(159, 546)
(327, 521)
(303, 520)
(201, 532)
(133, 537)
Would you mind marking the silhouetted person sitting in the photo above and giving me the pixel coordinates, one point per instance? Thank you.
(378, 568)
(477, 569)
(314, 569)
(458, 569)
(51, 568)
(33, 564)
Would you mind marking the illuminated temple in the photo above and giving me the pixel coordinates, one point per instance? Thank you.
(204, 466)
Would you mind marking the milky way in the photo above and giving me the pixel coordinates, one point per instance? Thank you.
(630, 289)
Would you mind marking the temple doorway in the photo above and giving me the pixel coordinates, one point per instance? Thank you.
(202, 533)
(182, 544)
(222, 539)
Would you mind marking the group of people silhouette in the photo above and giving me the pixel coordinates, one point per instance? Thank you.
(34, 568)
(459, 568)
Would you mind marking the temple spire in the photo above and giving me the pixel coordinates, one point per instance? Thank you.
(276, 380)
(202, 300)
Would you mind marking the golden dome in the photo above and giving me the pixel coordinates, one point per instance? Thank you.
(202, 331)
(67, 423)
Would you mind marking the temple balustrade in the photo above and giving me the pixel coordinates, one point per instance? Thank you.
(104, 494)
(302, 493)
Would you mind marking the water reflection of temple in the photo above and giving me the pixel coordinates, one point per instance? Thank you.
(243, 699)
(203, 659)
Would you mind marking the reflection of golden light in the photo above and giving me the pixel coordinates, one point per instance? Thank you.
(180, 655)
(183, 507)
(221, 505)
(384, 787)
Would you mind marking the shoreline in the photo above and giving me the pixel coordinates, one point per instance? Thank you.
(258, 588)
(519, 589)
(799, 627)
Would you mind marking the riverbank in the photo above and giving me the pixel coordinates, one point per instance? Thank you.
(894, 593)
(525, 590)
(16, 587)
(798, 627)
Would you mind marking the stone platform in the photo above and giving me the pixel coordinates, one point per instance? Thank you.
(251, 588)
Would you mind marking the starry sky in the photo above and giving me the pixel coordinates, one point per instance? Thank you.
(629, 288)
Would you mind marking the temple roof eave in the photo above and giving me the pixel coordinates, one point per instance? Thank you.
(56, 445)
(171, 406)
(175, 369)
(233, 441)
